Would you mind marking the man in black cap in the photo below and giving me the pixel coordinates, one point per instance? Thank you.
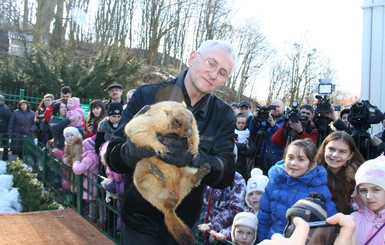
(5, 115)
(115, 92)
(245, 108)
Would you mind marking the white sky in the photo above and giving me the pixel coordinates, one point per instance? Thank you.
(333, 27)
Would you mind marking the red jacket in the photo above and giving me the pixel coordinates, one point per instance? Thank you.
(280, 139)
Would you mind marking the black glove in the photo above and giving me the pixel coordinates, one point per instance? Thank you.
(177, 147)
(132, 153)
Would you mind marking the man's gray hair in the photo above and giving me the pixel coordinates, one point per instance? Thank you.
(222, 44)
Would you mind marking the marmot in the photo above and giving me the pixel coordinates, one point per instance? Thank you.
(161, 184)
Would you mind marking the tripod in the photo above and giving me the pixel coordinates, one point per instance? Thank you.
(362, 139)
(322, 124)
(258, 156)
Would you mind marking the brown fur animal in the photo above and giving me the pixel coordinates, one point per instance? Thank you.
(162, 184)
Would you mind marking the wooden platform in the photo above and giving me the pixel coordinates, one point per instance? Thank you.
(49, 227)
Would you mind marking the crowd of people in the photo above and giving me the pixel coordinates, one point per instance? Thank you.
(266, 168)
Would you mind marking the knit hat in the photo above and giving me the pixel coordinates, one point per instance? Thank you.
(246, 219)
(115, 108)
(371, 172)
(72, 130)
(89, 144)
(257, 182)
(311, 208)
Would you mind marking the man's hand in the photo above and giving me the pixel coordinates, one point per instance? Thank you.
(177, 147)
(298, 237)
(297, 126)
(347, 235)
(271, 121)
(375, 141)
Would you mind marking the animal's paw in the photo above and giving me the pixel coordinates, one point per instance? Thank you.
(202, 171)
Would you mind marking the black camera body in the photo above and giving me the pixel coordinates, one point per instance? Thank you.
(264, 112)
(294, 115)
(362, 114)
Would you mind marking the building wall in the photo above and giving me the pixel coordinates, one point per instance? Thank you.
(373, 55)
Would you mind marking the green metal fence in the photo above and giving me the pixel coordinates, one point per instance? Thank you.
(51, 172)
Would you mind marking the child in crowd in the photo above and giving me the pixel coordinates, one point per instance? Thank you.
(242, 143)
(255, 187)
(114, 186)
(369, 198)
(244, 228)
(108, 125)
(340, 156)
(219, 209)
(290, 180)
(96, 115)
(88, 166)
(74, 109)
(311, 208)
(73, 150)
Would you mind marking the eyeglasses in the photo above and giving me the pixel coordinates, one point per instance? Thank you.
(213, 67)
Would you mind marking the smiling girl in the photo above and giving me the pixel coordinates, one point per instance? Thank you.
(341, 158)
(291, 180)
(369, 197)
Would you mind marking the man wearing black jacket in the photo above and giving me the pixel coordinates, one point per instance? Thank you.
(210, 67)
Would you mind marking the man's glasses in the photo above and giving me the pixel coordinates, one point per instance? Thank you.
(213, 67)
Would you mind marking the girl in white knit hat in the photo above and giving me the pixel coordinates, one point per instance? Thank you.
(254, 189)
(369, 197)
(244, 228)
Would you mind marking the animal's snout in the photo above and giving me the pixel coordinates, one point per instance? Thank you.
(188, 132)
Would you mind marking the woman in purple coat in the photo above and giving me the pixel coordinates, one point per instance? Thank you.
(22, 124)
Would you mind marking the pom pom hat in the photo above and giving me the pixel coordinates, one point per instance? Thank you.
(370, 172)
(257, 182)
(246, 219)
(89, 144)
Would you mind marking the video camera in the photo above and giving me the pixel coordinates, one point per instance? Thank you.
(362, 114)
(294, 115)
(264, 112)
(325, 88)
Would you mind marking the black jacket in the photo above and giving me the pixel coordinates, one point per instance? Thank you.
(5, 115)
(215, 121)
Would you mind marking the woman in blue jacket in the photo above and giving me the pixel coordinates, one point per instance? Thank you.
(290, 180)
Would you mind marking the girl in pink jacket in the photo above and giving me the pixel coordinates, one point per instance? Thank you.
(88, 166)
(369, 198)
(74, 109)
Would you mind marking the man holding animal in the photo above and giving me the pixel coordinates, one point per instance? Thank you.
(209, 68)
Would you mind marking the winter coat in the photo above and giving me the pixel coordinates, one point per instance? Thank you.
(269, 152)
(22, 123)
(367, 223)
(88, 166)
(5, 115)
(215, 120)
(309, 132)
(221, 205)
(105, 132)
(283, 191)
(57, 126)
(76, 111)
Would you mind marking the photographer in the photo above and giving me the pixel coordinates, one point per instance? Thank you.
(301, 128)
(378, 140)
(265, 152)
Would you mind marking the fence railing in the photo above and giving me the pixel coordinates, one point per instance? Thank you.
(53, 173)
